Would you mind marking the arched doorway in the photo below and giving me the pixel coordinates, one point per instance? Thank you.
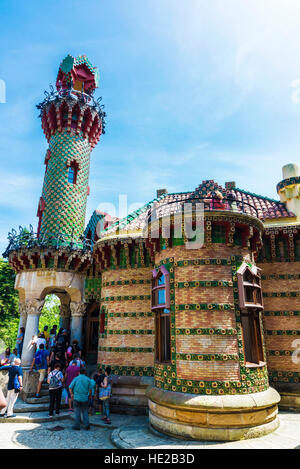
(92, 332)
(50, 314)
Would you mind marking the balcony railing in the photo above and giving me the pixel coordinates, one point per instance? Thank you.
(30, 240)
(80, 96)
(208, 204)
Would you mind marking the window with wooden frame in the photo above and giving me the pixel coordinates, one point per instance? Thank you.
(161, 308)
(251, 304)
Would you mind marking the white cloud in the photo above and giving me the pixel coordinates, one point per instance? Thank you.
(17, 191)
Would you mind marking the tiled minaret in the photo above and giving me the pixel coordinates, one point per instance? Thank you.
(72, 123)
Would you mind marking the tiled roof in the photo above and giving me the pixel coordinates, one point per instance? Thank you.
(266, 208)
(252, 204)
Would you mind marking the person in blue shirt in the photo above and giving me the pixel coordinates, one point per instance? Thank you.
(20, 340)
(14, 385)
(81, 390)
(41, 362)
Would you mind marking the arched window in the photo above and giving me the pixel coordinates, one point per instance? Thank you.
(251, 304)
(161, 308)
(72, 174)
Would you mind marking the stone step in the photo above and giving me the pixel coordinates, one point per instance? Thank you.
(24, 407)
(34, 417)
(37, 400)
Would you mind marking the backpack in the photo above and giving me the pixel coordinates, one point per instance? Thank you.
(55, 382)
(39, 356)
(60, 340)
(16, 384)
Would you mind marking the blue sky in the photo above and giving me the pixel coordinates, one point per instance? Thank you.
(193, 90)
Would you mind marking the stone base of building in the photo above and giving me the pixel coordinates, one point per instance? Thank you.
(290, 396)
(4, 381)
(290, 401)
(129, 394)
(217, 418)
(30, 382)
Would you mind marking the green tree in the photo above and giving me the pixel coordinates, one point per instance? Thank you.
(9, 300)
(50, 312)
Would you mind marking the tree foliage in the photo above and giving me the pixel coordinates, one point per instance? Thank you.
(50, 312)
(9, 308)
(9, 298)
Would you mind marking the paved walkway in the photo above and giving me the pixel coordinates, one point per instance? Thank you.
(129, 432)
(55, 435)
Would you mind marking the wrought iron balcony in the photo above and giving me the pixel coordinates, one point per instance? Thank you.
(80, 96)
(208, 204)
(27, 239)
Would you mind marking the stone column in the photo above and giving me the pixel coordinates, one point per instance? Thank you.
(64, 316)
(77, 314)
(33, 310)
(23, 315)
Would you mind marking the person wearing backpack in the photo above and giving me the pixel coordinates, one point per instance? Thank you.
(14, 386)
(40, 361)
(55, 381)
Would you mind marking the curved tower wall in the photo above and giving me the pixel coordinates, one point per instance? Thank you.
(208, 390)
(65, 203)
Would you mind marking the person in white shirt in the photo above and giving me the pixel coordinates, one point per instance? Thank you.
(39, 340)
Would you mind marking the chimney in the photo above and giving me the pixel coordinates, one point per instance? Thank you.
(161, 192)
(230, 185)
(290, 170)
(289, 189)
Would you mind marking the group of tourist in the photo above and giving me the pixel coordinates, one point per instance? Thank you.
(54, 349)
(61, 364)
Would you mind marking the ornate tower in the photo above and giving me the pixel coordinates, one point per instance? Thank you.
(72, 122)
(57, 259)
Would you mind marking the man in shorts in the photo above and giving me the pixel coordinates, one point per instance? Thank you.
(41, 362)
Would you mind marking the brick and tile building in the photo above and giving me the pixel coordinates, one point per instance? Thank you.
(193, 300)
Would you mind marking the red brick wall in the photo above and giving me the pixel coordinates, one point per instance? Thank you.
(284, 320)
(119, 358)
